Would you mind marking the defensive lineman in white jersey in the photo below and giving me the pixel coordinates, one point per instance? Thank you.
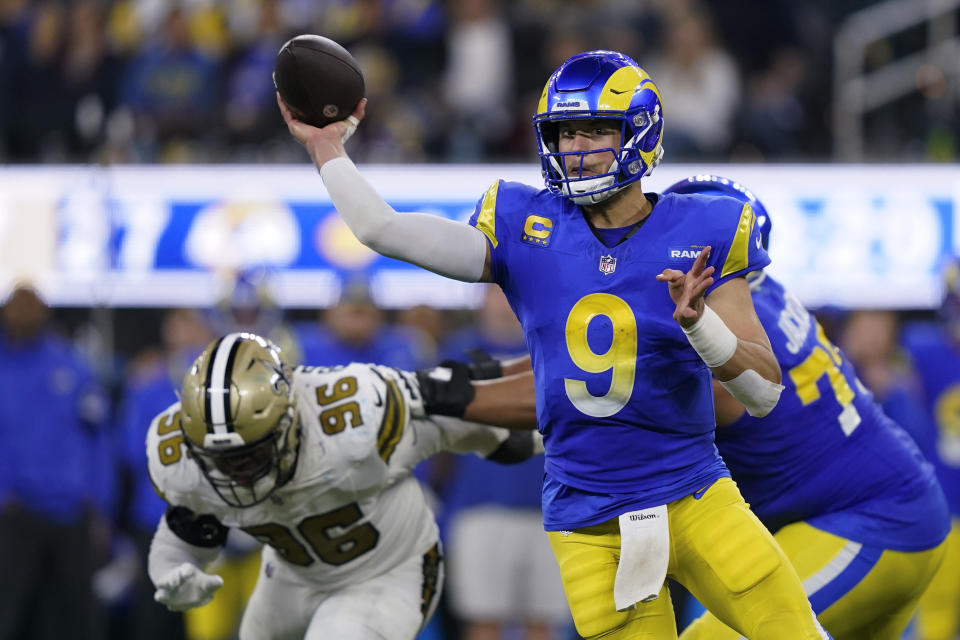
(316, 463)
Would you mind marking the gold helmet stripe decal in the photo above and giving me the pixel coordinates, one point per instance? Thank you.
(218, 383)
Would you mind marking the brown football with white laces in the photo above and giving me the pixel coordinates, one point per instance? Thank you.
(318, 79)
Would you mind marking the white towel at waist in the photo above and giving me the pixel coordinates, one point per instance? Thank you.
(644, 555)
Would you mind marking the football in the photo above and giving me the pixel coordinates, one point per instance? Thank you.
(318, 79)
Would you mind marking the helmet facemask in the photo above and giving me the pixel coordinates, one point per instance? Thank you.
(246, 474)
(624, 169)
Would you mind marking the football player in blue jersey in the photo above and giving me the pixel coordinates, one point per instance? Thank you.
(610, 284)
(934, 350)
(847, 494)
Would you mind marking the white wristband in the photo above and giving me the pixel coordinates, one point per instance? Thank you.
(757, 394)
(711, 338)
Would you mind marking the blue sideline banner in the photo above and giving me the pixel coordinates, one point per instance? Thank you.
(843, 235)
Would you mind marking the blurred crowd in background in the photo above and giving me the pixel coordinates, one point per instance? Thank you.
(139, 81)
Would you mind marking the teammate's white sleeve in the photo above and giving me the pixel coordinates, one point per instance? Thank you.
(443, 246)
(168, 551)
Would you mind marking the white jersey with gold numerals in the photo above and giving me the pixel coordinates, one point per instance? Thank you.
(352, 509)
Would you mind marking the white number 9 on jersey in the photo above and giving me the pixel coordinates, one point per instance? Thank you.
(621, 357)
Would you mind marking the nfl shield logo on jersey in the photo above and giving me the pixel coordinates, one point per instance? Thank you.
(608, 264)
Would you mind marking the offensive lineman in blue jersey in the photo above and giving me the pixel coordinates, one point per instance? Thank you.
(934, 350)
(600, 276)
(848, 496)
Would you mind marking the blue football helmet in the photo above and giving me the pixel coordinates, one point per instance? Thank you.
(710, 185)
(600, 85)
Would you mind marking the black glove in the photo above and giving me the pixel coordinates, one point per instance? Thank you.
(482, 366)
(446, 389)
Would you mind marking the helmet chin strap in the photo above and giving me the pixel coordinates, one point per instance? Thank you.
(594, 184)
(596, 198)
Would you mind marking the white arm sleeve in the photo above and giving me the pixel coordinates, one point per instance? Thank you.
(443, 246)
(168, 551)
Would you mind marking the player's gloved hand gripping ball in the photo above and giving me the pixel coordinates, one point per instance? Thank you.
(318, 79)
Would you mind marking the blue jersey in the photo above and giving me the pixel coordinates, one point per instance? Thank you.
(624, 403)
(827, 454)
(936, 360)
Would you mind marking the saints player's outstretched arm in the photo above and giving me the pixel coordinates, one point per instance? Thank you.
(443, 246)
(182, 545)
(727, 334)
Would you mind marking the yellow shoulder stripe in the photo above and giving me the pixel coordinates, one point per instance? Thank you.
(486, 221)
(739, 256)
(391, 427)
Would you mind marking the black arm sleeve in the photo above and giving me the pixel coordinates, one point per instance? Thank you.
(200, 531)
(516, 448)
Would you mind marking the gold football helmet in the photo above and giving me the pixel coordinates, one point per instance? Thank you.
(239, 417)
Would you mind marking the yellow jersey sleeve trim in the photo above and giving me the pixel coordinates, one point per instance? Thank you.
(391, 428)
(486, 221)
(739, 256)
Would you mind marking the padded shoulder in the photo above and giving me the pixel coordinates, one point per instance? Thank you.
(499, 207)
(174, 474)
